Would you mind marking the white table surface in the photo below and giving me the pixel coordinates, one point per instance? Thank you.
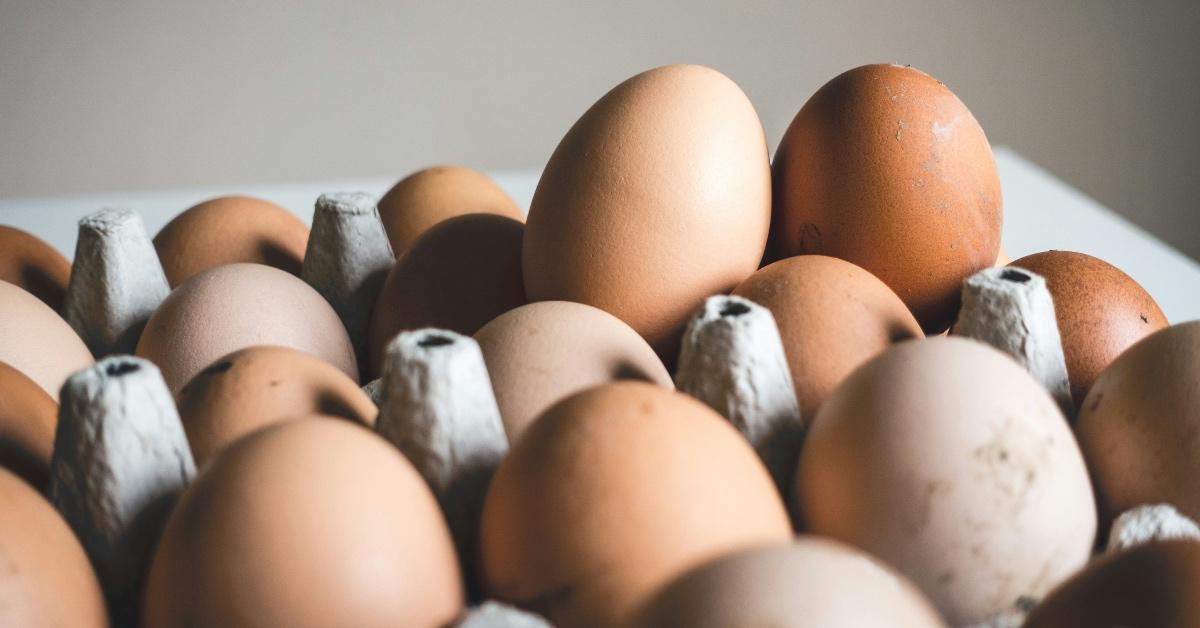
(1040, 213)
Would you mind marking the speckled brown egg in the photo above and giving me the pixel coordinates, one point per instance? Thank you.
(1100, 311)
(811, 583)
(236, 306)
(228, 230)
(947, 460)
(886, 168)
(1149, 586)
(427, 197)
(1139, 427)
(459, 275)
(28, 418)
(540, 353)
(259, 386)
(47, 579)
(832, 317)
(35, 340)
(612, 493)
(34, 266)
(314, 522)
(657, 198)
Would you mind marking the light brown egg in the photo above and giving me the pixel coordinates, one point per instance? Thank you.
(612, 493)
(543, 352)
(1139, 427)
(811, 583)
(886, 168)
(228, 230)
(427, 197)
(947, 460)
(32, 265)
(1149, 586)
(459, 275)
(314, 522)
(236, 306)
(259, 386)
(1101, 311)
(832, 317)
(28, 418)
(1002, 258)
(47, 579)
(37, 341)
(657, 198)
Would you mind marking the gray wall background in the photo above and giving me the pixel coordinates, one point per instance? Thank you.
(132, 95)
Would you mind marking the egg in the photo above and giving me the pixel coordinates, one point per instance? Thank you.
(612, 493)
(236, 306)
(28, 418)
(34, 266)
(832, 317)
(540, 353)
(947, 460)
(459, 275)
(1139, 427)
(312, 522)
(811, 583)
(1149, 586)
(1100, 311)
(427, 197)
(1002, 258)
(657, 198)
(886, 168)
(259, 386)
(47, 579)
(228, 230)
(37, 341)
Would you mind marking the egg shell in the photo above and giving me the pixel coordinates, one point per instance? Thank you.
(32, 265)
(1101, 311)
(236, 306)
(37, 341)
(47, 579)
(1149, 586)
(540, 353)
(886, 168)
(28, 418)
(657, 198)
(947, 460)
(1139, 427)
(312, 522)
(832, 317)
(459, 275)
(228, 230)
(1002, 258)
(811, 583)
(427, 197)
(259, 386)
(613, 492)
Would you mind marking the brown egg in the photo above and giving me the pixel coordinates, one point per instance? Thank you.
(543, 352)
(947, 460)
(32, 265)
(612, 493)
(427, 197)
(459, 275)
(1149, 586)
(886, 168)
(811, 583)
(314, 522)
(832, 316)
(37, 341)
(1139, 427)
(47, 579)
(236, 306)
(228, 230)
(1100, 311)
(1002, 258)
(657, 198)
(28, 418)
(255, 387)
